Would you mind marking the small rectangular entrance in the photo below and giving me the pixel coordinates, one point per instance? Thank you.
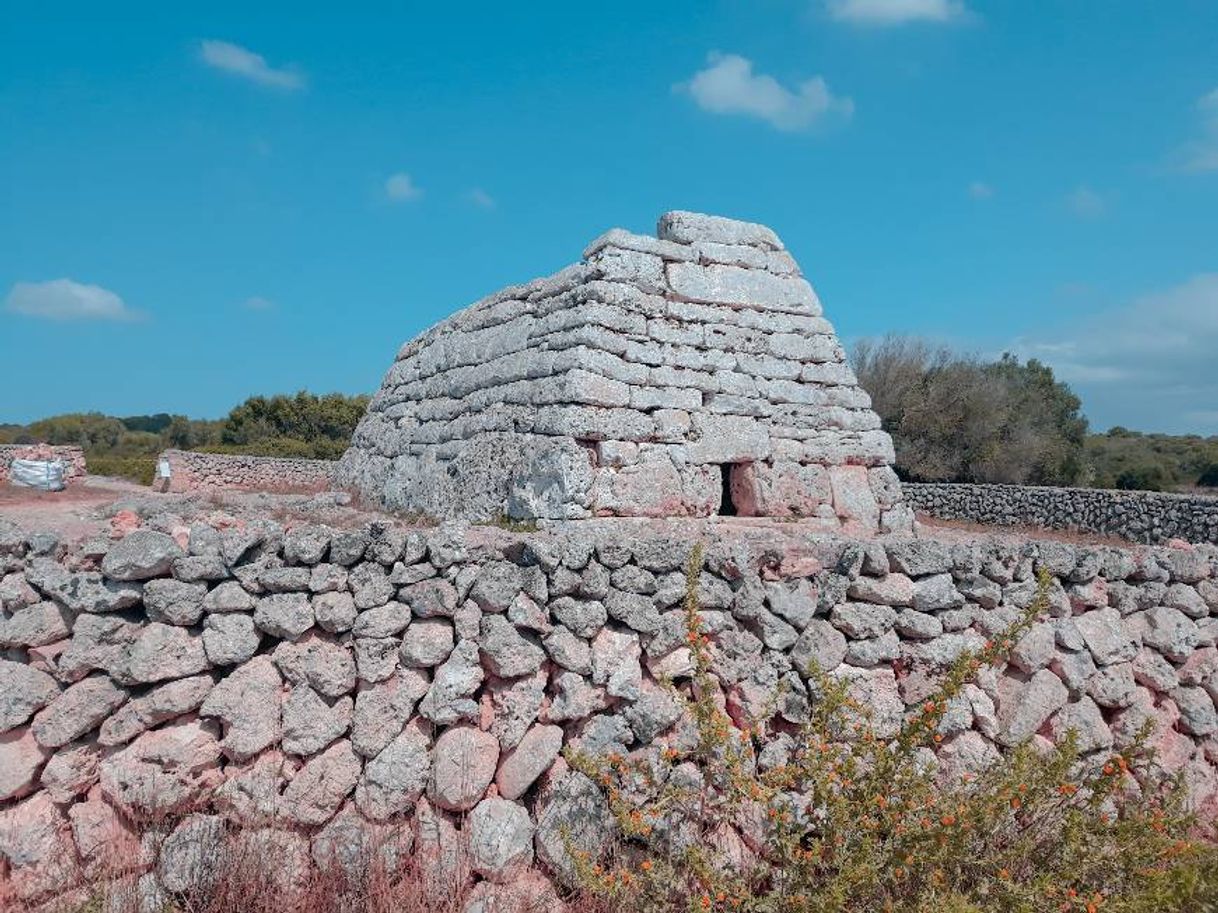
(727, 507)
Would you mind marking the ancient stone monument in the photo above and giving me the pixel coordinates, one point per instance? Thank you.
(690, 374)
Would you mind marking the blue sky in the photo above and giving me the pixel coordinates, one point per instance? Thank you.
(207, 203)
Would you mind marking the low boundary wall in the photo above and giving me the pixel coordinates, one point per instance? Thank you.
(425, 681)
(73, 457)
(1140, 516)
(192, 471)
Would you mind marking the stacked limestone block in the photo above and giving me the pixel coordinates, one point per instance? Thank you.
(628, 385)
(322, 687)
(192, 471)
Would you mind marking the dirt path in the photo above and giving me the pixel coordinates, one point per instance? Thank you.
(75, 513)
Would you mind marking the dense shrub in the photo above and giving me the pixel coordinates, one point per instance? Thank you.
(958, 419)
(850, 822)
(1180, 460)
(135, 469)
(1209, 476)
(1146, 477)
(321, 421)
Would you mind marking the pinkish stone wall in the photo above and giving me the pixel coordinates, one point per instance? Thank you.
(73, 458)
(425, 681)
(192, 471)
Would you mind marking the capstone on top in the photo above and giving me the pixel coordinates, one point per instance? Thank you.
(689, 374)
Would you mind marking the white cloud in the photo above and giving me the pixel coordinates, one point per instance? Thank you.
(728, 85)
(1085, 203)
(980, 190)
(1148, 363)
(1202, 153)
(480, 198)
(401, 188)
(258, 303)
(64, 299)
(232, 58)
(895, 12)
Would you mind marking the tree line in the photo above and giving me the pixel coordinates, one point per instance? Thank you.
(960, 418)
(297, 425)
(952, 417)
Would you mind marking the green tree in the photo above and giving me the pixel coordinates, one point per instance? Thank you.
(956, 418)
(90, 430)
(1209, 476)
(323, 423)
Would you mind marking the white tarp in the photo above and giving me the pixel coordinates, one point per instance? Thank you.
(45, 475)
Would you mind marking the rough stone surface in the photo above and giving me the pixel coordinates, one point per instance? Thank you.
(464, 765)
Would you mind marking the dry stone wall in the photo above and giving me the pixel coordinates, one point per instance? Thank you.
(687, 374)
(73, 458)
(1140, 516)
(317, 683)
(192, 471)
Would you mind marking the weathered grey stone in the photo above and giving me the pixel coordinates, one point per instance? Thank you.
(21, 758)
(1105, 636)
(574, 817)
(860, 620)
(310, 722)
(284, 615)
(160, 652)
(529, 759)
(396, 777)
(335, 612)
(388, 620)
(189, 858)
(501, 839)
(1170, 632)
(230, 640)
(140, 555)
(247, 702)
(370, 585)
(229, 596)
(162, 703)
(319, 788)
(306, 544)
(1024, 706)
(383, 708)
(427, 643)
(582, 617)
(456, 680)
(506, 651)
(820, 643)
(23, 691)
(464, 763)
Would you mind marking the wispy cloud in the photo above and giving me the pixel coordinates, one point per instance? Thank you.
(480, 198)
(895, 12)
(980, 190)
(1147, 363)
(232, 58)
(728, 85)
(65, 299)
(258, 303)
(1085, 203)
(1201, 154)
(401, 188)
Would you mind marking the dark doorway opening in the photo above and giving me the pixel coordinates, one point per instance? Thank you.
(726, 507)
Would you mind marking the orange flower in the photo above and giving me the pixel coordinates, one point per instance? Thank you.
(1067, 789)
(706, 901)
(1016, 802)
(1004, 874)
(645, 865)
(948, 820)
(1108, 770)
